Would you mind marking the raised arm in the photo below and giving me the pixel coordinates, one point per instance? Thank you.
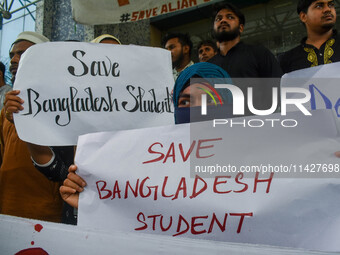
(12, 104)
(52, 162)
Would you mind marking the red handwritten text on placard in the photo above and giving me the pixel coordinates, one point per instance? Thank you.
(142, 187)
(165, 8)
(202, 145)
(196, 224)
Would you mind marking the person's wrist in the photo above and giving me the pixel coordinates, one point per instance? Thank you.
(47, 163)
(9, 116)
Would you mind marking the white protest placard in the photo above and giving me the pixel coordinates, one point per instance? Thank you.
(145, 181)
(323, 83)
(70, 89)
(96, 12)
(26, 237)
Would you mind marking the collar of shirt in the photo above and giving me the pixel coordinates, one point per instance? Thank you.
(304, 44)
(176, 73)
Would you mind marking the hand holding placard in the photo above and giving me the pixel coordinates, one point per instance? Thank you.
(71, 187)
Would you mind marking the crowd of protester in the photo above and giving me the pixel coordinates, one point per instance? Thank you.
(34, 180)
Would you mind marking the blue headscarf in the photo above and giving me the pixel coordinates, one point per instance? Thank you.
(210, 73)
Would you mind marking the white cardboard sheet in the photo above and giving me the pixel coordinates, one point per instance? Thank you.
(26, 236)
(140, 181)
(322, 82)
(73, 88)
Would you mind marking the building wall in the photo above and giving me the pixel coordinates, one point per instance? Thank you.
(274, 24)
(137, 33)
(54, 20)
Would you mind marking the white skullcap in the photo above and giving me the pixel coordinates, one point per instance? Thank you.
(31, 37)
(105, 36)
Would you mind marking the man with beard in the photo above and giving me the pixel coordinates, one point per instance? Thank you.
(180, 46)
(52, 162)
(240, 60)
(321, 46)
(24, 191)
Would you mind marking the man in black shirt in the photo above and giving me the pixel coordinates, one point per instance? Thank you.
(240, 60)
(321, 46)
